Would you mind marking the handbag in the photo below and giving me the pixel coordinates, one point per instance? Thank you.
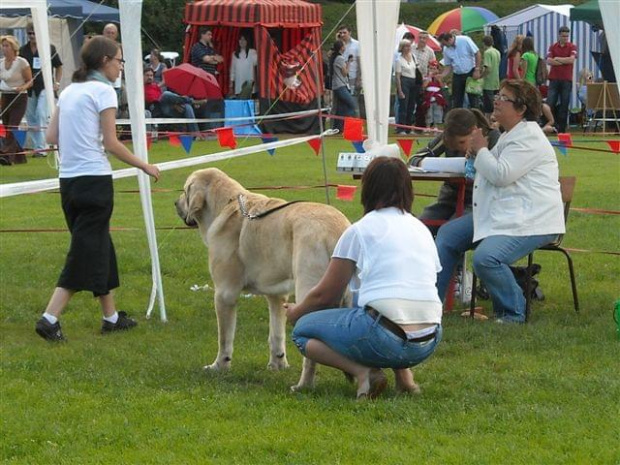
(473, 86)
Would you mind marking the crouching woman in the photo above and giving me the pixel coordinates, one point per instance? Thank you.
(395, 321)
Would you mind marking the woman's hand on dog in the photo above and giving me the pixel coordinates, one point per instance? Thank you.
(291, 314)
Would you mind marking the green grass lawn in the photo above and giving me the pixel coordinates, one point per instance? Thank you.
(546, 392)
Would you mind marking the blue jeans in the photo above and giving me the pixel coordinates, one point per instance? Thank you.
(353, 333)
(169, 99)
(345, 105)
(491, 261)
(559, 96)
(36, 116)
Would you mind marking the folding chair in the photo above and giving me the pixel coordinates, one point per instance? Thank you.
(567, 186)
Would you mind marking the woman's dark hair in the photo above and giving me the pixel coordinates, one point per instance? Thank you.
(238, 49)
(334, 52)
(158, 54)
(528, 45)
(93, 53)
(386, 182)
(526, 97)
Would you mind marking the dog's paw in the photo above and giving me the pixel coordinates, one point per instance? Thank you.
(217, 366)
(277, 365)
(301, 387)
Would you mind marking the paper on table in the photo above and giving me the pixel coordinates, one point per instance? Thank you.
(445, 165)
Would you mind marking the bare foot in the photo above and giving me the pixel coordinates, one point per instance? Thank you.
(405, 383)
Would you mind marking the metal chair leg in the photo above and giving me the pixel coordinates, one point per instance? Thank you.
(528, 290)
(573, 281)
(472, 302)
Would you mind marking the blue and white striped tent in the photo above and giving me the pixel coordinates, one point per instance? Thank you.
(542, 23)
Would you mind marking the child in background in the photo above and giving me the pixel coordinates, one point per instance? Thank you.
(585, 78)
(434, 101)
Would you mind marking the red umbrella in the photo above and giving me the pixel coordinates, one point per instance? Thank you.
(404, 28)
(192, 81)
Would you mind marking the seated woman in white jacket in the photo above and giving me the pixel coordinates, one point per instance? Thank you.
(517, 204)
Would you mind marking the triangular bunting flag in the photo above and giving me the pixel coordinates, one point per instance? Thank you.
(353, 129)
(614, 145)
(315, 144)
(566, 139)
(20, 136)
(345, 192)
(563, 150)
(174, 140)
(359, 146)
(187, 141)
(405, 145)
(226, 137)
(266, 140)
(2, 131)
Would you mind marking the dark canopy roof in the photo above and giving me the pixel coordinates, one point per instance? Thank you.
(589, 12)
(248, 13)
(78, 9)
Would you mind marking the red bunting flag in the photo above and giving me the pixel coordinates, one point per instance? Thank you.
(353, 129)
(226, 137)
(2, 131)
(614, 145)
(315, 144)
(566, 139)
(174, 140)
(405, 145)
(345, 192)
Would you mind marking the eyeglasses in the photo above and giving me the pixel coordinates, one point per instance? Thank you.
(31, 33)
(503, 98)
(120, 60)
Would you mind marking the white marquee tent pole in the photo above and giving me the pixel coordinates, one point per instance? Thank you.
(610, 11)
(41, 29)
(131, 19)
(376, 26)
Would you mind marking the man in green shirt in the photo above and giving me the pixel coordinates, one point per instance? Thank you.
(490, 74)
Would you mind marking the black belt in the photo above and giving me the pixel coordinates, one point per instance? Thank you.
(395, 328)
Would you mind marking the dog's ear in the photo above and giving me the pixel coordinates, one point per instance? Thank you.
(195, 201)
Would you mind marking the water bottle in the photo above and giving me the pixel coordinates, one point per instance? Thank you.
(470, 171)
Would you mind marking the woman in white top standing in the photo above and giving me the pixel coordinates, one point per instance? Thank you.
(517, 204)
(395, 321)
(242, 66)
(84, 128)
(15, 80)
(406, 88)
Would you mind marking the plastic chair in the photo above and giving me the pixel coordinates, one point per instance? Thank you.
(567, 186)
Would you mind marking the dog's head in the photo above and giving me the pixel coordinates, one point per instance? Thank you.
(206, 192)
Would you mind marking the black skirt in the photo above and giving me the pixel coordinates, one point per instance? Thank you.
(87, 202)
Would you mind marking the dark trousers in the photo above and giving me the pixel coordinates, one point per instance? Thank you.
(558, 99)
(406, 106)
(458, 88)
(13, 110)
(87, 202)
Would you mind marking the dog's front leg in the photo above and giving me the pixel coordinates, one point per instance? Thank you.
(277, 333)
(225, 309)
(306, 380)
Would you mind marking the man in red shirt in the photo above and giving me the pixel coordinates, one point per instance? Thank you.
(561, 57)
(166, 103)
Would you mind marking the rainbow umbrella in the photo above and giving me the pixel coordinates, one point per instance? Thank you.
(465, 19)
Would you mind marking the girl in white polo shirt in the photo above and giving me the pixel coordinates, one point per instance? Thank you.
(390, 262)
(84, 128)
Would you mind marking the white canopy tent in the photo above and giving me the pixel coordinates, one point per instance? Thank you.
(610, 11)
(543, 23)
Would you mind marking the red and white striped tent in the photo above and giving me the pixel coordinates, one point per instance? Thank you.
(286, 33)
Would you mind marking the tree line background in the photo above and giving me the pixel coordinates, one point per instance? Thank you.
(163, 27)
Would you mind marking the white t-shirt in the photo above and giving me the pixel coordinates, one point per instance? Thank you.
(242, 68)
(395, 258)
(352, 48)
(80, 141)
(406, 68)
(12, 77)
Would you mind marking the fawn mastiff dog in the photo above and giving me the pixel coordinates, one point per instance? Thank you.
(260, 245)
